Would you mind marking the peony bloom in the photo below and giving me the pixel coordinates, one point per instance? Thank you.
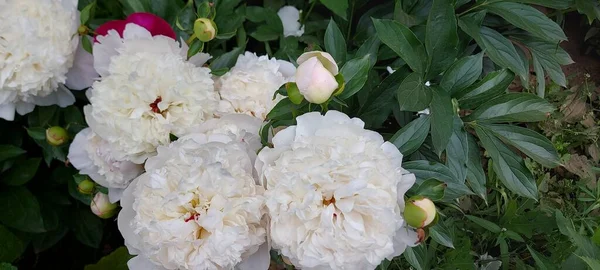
(290, 17)
(315, 76)
(154, 24)
(148, 92)
(250, 85)
(38, 40)
(91, 155)
(335, 194)
(196, 207)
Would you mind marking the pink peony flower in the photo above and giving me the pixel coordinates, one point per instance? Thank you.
(156, 25)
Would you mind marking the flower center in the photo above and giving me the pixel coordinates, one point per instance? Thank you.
(327, 202)
(154, 105)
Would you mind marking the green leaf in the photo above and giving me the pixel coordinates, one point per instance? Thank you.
(19, 209)
(37, 133)
(432, 189)
(440, 233)
(335, 44)
(463, 73)
(11, 247)
(371, 48)
(283, 107)
(413, 95)
(87, 227)
(441, 119)
(509, 167)
(44, 241)
(539, 71)
(226, 60)
(228, 19)
(594, 264)
(533, 144)
(417, 257)
(492, 85)
(497, 47)
(512, 107)
(131, 6)
(264, 33)
(425, 170)
(9, 151)
(117, 260)
(488, 225)
(378, 105)
(7, 266)
(475, 174)
(195, 48)
(457, 150)
(555, 4)
(87, 13)
(590, 8)
(441, 37)
(21, 172)
(355, 74)
(339, 7)
(541, 261)
(410, 137)
(549, 56)
(528, 19)
(186, 17)
(74, 119)
(403, 42)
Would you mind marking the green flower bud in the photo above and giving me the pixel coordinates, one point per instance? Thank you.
(293, 93)
(82, 30)
(205, 29)
(56, 136)
(86, 187)
(102, 207)
(419, 212)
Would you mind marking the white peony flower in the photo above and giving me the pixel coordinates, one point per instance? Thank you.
(38, 40)
(250, 85)
(290, 18)
(82, 74)
(147, 92)
(335, 193)
(91, 155)
(241, 128)
(196, 207)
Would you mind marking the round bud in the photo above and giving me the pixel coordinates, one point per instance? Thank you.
(56, 136)
(86, 187)
(419, 212)
(102, 207)
(205, 29)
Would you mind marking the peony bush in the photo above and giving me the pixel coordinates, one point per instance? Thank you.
(255, 135)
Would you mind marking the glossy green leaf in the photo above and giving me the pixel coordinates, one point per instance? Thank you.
(492, 85)
(488, 225)
(424, 170)
(539, 71)
(533, 144)
(355, 74)
(87, 13)
(528, 19)
(339, 7)
(7, 266)
(195, 48)
(475, 175)
(541, 261)
(441, 37)
(335, 44)
(117, 260)
(417, 257)
(10, 151)
(509, 167)
(11, 247)
(441, 234)
(590, 8)
(410, 137)
(432, 189)
(21, 172)
(512, 107)
(413, 95)
(403, 42)
(282, 107)
(549, 56)
(87, 227)
(457, 150)
(378, 105)
(19, 209)
(441, 119)
(463, 73)
(226, 60)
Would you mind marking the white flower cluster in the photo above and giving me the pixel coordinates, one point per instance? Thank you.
(38, 40)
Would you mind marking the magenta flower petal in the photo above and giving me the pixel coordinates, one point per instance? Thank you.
(118, 25)
(156, 25)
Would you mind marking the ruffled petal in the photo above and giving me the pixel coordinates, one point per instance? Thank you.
(82, 74)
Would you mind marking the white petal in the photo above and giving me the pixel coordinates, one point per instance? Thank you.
(287, 69)
(61, 97)
(199, 59)
(115, 194)
(260, 260)
(126, 215)
(106, 47)
(7, 111)
(24, 108)
(82, 73)
(134, 31)
(326, 59)
(141, 263)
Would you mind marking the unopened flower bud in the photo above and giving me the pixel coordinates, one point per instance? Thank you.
(86, 186)
(419, 212)
(205, 29)
(316, 76)
(102, 207)
(82, 30)
(56, 136)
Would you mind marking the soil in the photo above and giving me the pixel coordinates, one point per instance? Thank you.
(575, 30)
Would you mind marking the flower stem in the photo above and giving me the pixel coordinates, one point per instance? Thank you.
(303, 19)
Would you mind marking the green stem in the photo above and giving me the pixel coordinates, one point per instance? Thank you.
(350, 20)
(475, 7)
(303, 19)
(268, 49)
